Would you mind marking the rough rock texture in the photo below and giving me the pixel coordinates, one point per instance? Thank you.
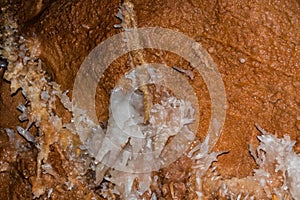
(8, 104)
(69, 31)
(261, 90)
(256, 46)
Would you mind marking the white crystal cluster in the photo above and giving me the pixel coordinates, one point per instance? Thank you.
(25, 72)
(129, 149)
(203, 160)
(278, 152)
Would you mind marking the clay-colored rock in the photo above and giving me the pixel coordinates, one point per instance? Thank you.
(256, 46)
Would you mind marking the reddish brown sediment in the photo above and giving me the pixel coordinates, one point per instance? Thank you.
(255, 45)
